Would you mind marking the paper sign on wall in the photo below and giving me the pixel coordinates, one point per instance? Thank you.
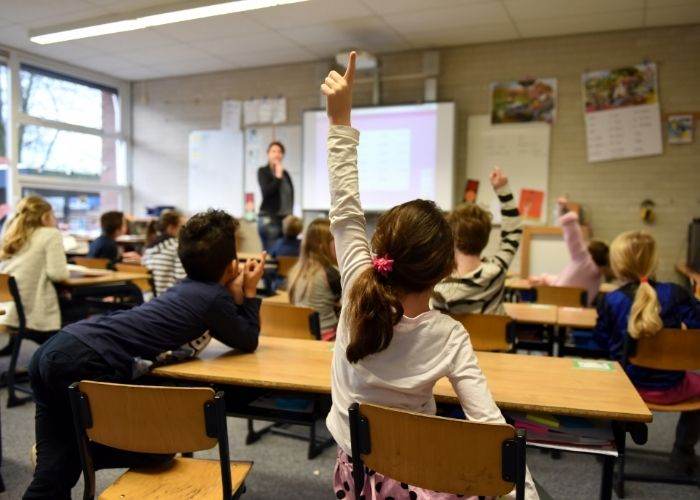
(530, 204)
(623, 119)
(231, 115)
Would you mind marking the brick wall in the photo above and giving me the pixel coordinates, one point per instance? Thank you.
(166, 110)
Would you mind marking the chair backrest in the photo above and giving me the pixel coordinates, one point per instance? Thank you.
(437, 453)
(563, 296)
(91, 262)
(10, 293)
(487, 332)
(285, 264)
(289, 321)
(145, 284)
(147, 419)
(669, 349)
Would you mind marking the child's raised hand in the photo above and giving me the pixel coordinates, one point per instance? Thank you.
(253, 271)
(562, 204)
(338, 90)
(498, 178)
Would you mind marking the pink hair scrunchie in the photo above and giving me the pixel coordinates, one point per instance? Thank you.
(383, 265)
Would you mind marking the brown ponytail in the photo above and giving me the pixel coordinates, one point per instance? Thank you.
(634, 258)
(416, 236)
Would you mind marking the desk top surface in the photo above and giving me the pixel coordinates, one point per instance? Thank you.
(517, 382)
(104, 277)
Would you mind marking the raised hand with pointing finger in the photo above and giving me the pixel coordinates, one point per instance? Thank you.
(338, 89)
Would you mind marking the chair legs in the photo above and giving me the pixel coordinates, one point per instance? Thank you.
(12, 398)
(315, 448)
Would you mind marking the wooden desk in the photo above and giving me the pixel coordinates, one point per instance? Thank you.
(517, 382)
(281, 297)
(525, 312)
(102, 278)
(517, 283)
(577, 317)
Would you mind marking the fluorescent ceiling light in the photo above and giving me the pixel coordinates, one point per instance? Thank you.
(176, 15)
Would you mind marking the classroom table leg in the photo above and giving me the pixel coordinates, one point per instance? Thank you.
(606, 484)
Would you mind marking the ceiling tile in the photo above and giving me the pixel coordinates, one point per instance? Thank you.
(31, 10)
(106, 63)
(310, 12)
(682, 14)
(349, 31)
(392, 6)
(122, 6)
(244, 44)
(581, 24)
(467, 15)
(156, 55)
(547, 9)
(135, 73)
(267, 58)
(457, 36)
(213, 27)
(130, 40)
(329, 49)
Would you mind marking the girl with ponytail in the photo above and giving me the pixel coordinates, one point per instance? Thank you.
(32, 252)
(390, 347)
(640, 308)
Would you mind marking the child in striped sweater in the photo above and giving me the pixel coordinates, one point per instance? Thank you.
(477, 284)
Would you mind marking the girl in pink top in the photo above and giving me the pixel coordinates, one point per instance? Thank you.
(589, 263)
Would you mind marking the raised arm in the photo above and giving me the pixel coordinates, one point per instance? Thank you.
(348, 223)
(511, 225)
(573, 236)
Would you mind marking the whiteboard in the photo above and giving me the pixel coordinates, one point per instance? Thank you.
(215, 173)
(548, 254)
(256, 141)
(521, 150)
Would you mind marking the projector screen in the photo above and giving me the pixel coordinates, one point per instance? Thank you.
(405, 152)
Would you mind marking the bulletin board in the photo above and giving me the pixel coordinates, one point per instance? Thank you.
(521, 150)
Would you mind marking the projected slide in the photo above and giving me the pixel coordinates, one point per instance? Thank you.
(405, 152)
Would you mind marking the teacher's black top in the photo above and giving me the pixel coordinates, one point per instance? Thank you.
(277, 194)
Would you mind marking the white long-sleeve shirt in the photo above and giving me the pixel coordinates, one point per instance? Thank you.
(36, 267)
(423, 349)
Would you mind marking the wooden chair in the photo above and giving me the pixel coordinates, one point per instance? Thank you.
(669, 349)
(10, 293)
(429, 452)
(145, 284)
(488, 332)
(164, 420)
(562, 296)
(91, 262)
(289, 321)
(285, 264)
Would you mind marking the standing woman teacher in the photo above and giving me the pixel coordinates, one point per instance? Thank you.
(277, 195)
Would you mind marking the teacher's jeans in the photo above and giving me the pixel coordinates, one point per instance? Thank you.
(270, 229)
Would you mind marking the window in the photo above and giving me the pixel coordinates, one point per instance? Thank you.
(78, 212)
(4, 142)
(69, 128)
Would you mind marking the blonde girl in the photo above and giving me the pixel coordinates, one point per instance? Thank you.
(640, 308)
(390, 347)
(315, 281)
(32, 252)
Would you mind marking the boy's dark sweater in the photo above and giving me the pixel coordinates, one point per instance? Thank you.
(180, 315)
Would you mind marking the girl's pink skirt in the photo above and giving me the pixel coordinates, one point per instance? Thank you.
(379, 487)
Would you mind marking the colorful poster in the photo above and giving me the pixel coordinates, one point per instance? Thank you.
(680, 129)
(471, 189)
(532, 100)
(530, 204)
(623, 119)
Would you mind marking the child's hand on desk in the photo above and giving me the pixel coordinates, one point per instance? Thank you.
(252, 272)
(235, 286)
(338, 90)
(498, 178)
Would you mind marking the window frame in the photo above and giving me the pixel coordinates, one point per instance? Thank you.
(14, 60)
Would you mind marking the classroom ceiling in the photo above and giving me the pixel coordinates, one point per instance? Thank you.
(316, 29)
